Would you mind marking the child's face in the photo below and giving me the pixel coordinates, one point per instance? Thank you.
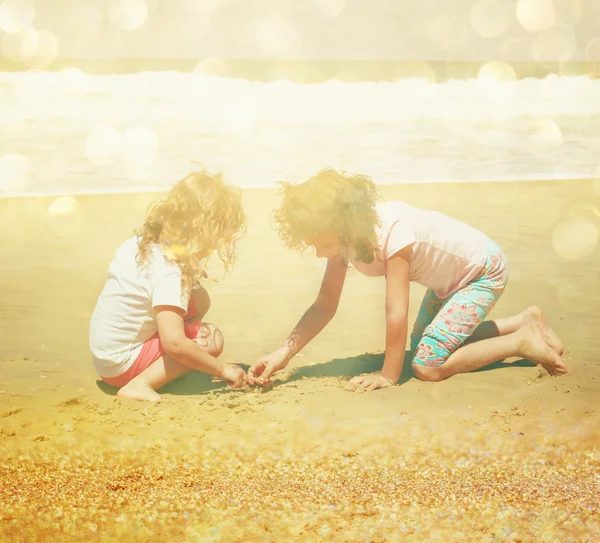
(327, 245)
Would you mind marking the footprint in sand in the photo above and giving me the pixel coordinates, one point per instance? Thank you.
(71, 402)
(11, 412)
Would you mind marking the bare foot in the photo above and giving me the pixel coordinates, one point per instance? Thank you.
(138, 390)
(533, 347)
(536, 315)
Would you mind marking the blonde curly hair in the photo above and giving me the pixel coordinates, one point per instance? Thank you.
(200, 215)
(330, 203)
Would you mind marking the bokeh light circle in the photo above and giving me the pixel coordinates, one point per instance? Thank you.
(39, 48)
(536, 15)
(490, 18)
(103, 146)
(497, 80)
(128, 14)
(65, 216)
(575, 237)
(16, 15)
(331, 8)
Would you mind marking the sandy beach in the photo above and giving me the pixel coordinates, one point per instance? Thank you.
(504, 454)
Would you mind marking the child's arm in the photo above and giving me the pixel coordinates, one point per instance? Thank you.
(397, 292)
(312, 322)
(396, 317)
(186, 351)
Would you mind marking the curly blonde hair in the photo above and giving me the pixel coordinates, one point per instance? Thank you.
(330, 203)
(200, 215)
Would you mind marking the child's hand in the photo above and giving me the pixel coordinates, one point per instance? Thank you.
(368, 382)
(260, 372)
(235, 375)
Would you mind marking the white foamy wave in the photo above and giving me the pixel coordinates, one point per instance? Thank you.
(79, 133)
(173, 95)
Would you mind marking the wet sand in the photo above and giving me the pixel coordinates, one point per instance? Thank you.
(504, 454)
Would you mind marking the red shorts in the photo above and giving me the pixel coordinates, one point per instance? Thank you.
(152, 350)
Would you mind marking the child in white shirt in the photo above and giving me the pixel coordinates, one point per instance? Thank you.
(147, 328)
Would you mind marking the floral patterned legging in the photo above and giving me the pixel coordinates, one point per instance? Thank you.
(443, 325)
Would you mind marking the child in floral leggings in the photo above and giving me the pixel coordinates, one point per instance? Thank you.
(464, 270)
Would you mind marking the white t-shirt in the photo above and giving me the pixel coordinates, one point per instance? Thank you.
(447, 253)
(124, 317)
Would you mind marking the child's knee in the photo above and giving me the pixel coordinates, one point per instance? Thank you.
(428, 353)
(210, 338)
(201, 302)
(428, 373)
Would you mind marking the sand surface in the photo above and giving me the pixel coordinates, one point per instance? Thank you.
(505, 454)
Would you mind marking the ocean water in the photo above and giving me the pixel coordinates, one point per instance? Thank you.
(69, 132)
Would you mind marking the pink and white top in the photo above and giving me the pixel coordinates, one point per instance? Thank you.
(447, 253)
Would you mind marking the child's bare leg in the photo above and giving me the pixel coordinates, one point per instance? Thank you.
(508, 325)
(144, 386)
(166, 369)
(528, 342)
